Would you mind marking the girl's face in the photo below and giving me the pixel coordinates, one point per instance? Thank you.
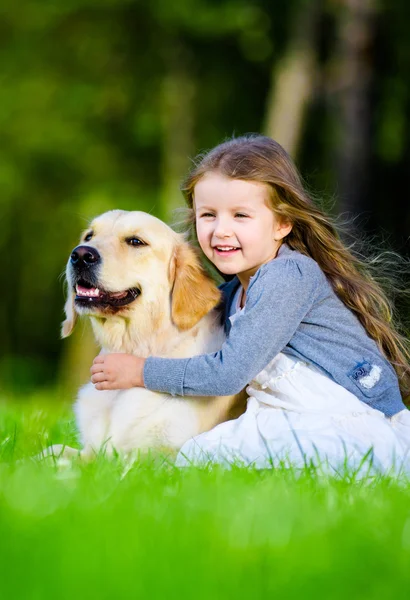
(236, 228)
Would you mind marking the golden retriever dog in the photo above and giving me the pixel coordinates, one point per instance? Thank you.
(145, 292)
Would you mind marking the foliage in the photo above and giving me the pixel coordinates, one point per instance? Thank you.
(102, 104)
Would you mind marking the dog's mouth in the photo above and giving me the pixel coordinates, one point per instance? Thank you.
(87, 295)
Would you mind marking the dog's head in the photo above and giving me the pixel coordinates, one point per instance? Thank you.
(132, 265)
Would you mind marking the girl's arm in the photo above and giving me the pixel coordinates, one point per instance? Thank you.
(278, 298)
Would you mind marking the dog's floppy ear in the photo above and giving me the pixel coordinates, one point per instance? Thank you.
(71, 316)
(194, 293)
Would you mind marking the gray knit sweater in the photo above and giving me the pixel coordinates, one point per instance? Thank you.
(291, 308)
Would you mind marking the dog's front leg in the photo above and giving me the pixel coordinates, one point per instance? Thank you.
(59, 451)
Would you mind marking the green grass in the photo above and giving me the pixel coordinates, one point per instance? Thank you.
(112, 529)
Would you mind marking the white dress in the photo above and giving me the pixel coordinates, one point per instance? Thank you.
(297, 416)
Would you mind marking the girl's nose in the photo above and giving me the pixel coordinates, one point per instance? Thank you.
(222, 229)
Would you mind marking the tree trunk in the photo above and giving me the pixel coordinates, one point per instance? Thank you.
(354, 75)
(178, 92)
(78, 353)
(293, 81)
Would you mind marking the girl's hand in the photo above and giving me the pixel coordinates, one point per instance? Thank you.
(117, 371)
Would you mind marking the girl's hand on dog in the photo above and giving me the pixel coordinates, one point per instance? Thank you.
(117, 371)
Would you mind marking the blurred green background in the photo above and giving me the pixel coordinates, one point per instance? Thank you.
(102, 104)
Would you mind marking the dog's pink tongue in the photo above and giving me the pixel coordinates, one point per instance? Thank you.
(118, 294)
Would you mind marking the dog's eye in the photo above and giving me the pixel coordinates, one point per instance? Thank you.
(134, 241)
(88, 236)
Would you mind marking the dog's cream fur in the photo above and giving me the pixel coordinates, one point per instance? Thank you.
(174, 316)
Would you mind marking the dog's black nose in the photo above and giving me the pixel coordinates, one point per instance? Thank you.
(84, 256)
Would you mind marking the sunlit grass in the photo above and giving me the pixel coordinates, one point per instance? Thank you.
(116, 529)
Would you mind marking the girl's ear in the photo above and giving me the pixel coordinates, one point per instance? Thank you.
(194, 293)
(71, 316)
(283, 229)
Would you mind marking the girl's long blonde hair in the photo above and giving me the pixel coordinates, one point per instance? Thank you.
(259, 158)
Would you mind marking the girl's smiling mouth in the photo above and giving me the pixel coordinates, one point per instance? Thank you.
(226, 250)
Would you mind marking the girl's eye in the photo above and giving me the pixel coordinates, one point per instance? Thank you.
(241, 215)
(88, 236)
(207, 215)
(134, 241)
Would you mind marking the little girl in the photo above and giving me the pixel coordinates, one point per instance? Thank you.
(309, 332)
